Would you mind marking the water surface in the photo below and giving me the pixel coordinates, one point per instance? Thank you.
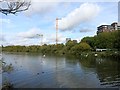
(35, 71)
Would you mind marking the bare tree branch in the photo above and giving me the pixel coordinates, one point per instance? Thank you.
(13, 6)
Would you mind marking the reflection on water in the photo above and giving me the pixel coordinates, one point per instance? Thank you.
(0, 71)
(35, 71)
(108, 72)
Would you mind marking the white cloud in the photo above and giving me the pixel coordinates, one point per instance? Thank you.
(76, 0)
(30, 37)
(6, 23)
(104, 23)
(85, 13)
(27, 38)
(84, 30)
(51, 38)
(38, 7)
(2, 38)
(23, 41)
(32, 33)
(3, 20)
(47, 39)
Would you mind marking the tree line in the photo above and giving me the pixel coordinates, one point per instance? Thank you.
(105, 40)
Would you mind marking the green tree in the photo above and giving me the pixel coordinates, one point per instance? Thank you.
(90, 41)
(69, 45)
(117, 40)
(78, 48)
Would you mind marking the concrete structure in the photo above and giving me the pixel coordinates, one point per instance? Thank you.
(75, 41)
(108, 28)
(67, 39)
(114, 25)
(118, 26)
(97, 50)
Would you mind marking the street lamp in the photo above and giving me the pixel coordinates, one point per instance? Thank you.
(41, 36)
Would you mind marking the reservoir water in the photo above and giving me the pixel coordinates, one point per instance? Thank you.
(36, 71)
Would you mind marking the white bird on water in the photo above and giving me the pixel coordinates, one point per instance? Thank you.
(44, 55)
(96, 55)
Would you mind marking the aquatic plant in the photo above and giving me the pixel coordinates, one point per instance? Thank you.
(7, 86)
(7, 68)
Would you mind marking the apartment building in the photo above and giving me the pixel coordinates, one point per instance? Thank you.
(108, 28)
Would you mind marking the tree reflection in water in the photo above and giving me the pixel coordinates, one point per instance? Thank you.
(6, 85)
(107, 70)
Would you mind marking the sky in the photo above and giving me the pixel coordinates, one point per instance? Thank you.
(76, 21)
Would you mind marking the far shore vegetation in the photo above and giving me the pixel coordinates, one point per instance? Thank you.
(86, 47)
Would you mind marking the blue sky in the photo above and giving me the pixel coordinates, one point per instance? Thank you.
(78, 20)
